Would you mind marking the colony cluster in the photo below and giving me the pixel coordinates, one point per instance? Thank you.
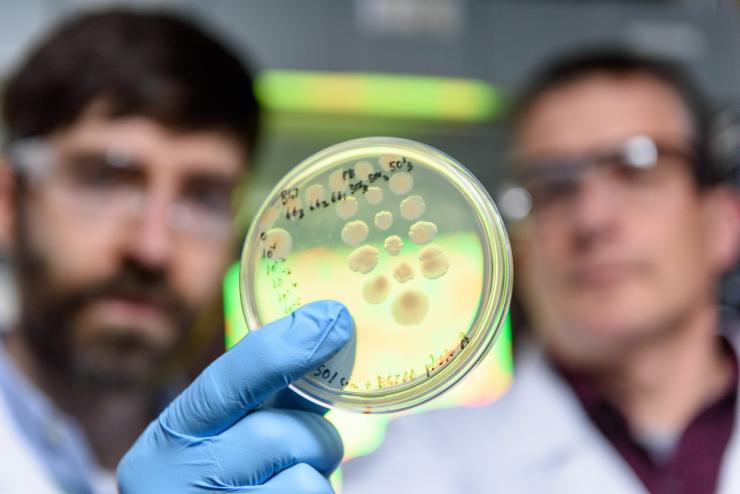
(411, 305)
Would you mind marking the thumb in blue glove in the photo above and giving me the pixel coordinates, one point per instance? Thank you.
(216, 437)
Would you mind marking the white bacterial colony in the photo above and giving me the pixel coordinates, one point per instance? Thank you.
(401, 183)
(374, 195)
(376, 290)
(403, 272)
(383, 220)
(347, 207)
(337, 181)
(412, 207)
(363, 259)
(363, 169)
(385, 161)
(393, 245)
(410, 307)
(314, 193)
(354, 232)
(422, 232)
(277, 243)
(434, 262)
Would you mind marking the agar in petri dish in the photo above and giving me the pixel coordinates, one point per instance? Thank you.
(410, 242)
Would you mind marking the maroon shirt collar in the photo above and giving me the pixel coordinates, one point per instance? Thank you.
(693, 466)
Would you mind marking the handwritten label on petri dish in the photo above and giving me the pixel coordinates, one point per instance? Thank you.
(354, 183)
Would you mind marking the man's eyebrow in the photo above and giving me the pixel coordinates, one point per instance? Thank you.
(81, 159)
(113, 156)
(212, 178)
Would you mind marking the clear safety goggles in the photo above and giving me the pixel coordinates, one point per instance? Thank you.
(112, 187)
(549, 186)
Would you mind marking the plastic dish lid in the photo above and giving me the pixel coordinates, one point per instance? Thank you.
(410, 242)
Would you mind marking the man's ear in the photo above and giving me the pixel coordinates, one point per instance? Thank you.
(8, 182)
(723, 220)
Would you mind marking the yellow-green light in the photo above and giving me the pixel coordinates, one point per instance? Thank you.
(379, 95)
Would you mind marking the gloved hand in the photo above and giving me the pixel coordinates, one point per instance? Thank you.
(215, 436)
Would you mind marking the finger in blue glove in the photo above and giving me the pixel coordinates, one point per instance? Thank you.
(213, 437)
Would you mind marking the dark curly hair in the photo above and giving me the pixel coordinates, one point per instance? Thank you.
(619, 62)
(153, 64)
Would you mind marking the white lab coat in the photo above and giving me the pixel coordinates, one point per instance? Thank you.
(20, 470)
(535, 440)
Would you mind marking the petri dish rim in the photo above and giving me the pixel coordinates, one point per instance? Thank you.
(495, 292)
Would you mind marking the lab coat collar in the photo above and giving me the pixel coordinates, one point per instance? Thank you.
(569, 447)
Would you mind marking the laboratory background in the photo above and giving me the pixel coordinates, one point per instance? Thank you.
(441, 72)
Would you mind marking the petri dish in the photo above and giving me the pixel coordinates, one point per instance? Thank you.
(410, 241)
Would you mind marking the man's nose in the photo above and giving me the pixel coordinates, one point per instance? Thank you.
(150, 241)
(595, 210)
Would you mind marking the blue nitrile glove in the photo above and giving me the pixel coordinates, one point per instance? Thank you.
(215, 436)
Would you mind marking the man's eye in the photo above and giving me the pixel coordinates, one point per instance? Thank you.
(99, 177)
(548, 192)
(629, 174)
(211, 198)
(94, 173)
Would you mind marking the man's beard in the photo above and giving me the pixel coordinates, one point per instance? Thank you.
(112, 356)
